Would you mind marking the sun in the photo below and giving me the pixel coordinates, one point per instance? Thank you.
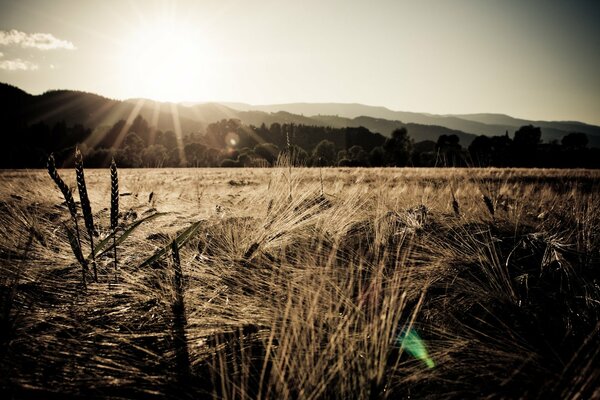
(165, 61)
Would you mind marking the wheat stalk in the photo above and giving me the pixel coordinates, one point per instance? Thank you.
(74, 240)
(182, 356)
(85, 206)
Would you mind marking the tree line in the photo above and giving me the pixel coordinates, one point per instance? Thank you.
(229, 143)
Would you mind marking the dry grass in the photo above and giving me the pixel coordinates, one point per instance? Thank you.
(298, 287)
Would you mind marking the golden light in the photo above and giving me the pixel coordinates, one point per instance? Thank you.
(232, 139)
(165, 61)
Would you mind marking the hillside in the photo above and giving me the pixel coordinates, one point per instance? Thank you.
(474, 124)
(19, 108)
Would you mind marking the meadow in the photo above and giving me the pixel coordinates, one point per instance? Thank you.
(303, 283)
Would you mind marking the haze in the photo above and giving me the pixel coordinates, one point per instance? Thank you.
(535, 59)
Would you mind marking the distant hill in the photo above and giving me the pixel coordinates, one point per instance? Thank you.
(473, 124)
(18, 108)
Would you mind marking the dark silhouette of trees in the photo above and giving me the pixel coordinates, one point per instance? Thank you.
(449, 151)
(358, 156)
(481, 151)
(398, 148)
(501, 150)
(424, 154)
(296, 155)
(575, 141)
(232, 143)
(324, 154)
(268, 151)
(525, 145)
(377, 157)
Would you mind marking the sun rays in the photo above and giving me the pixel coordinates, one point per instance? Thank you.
(164, 59)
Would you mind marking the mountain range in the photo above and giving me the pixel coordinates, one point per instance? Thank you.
(19, 108)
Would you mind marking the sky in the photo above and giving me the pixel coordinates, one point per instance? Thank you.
(538, 60)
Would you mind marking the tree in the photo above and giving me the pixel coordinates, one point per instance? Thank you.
(127, 158)
(358, 156)
(480, 150)
(448, 142)
(449, 150)
(398, 148)
(575, 140)
(140, 126)
(134, 142)
(501, 146)
(268, 151)
(155, 156)
(167, 139)
(174, 159)
(525, 144)
(195, 154)
(131, 153)
(324, 153)
(528, 136)
(296, 155)
(377, 157)
(229, 163)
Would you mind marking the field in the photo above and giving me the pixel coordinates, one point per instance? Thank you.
(304, 283)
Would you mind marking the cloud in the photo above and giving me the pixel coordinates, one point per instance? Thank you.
(40, 41)
(18, 65)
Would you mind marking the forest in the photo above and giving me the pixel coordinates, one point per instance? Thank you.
(230, 143)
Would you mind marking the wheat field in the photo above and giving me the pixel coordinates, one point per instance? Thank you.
(302, 283)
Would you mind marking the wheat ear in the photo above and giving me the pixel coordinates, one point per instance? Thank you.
(114, 205)
(75, 241)
(85, 206)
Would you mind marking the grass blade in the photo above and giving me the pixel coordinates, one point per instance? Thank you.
(414, 345)
(101, 248)
(179, 240)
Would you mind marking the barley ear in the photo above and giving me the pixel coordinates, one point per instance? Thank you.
(114, 196)
(114, 204)
(74, 239)
(489, 204)
(66, 192)
(455, 206)
(85, 205)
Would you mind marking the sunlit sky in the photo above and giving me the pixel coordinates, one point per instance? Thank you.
(531, 59)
